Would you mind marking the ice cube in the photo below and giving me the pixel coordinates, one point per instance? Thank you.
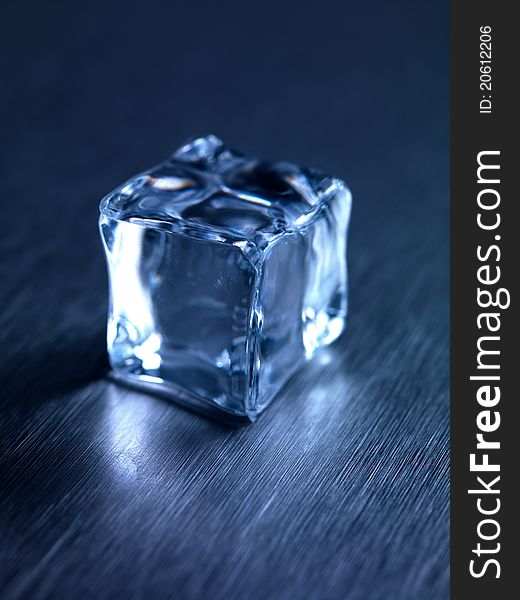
(226, 273)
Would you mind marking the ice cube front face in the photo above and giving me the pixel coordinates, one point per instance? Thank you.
(226, 273)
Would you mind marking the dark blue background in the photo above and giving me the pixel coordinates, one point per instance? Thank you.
(341, 489)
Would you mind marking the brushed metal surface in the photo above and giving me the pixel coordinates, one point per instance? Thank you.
(340, 490)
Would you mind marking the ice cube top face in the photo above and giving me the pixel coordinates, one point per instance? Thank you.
(226, 273)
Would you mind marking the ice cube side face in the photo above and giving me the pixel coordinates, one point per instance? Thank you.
(225, 274)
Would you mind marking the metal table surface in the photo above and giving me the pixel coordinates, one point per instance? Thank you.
(341, 488)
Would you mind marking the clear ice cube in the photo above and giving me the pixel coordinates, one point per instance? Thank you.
(226, 273)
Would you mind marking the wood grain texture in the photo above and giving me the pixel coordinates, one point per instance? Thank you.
(340, 490)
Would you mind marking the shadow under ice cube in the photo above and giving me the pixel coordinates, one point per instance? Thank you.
(226, 274)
